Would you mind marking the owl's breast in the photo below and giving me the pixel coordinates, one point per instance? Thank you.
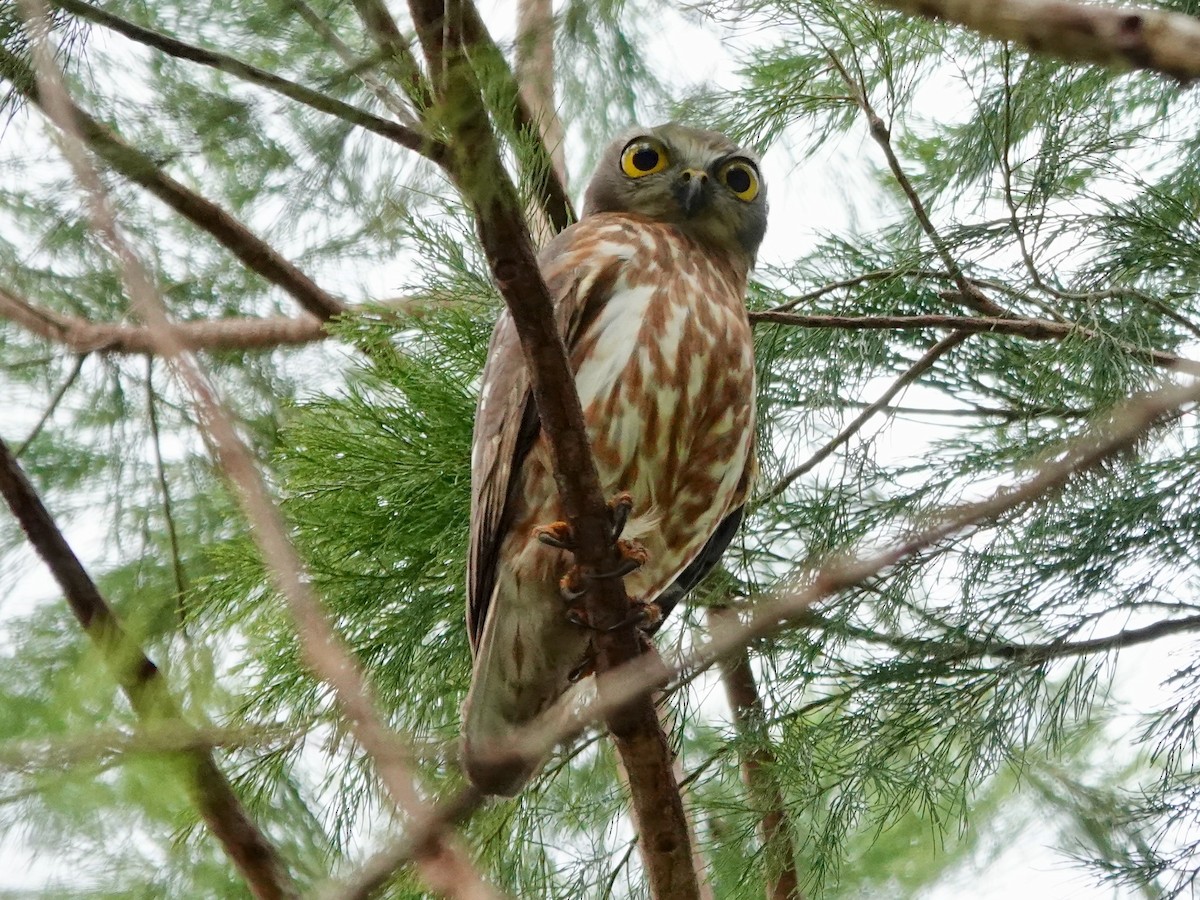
(665, 373)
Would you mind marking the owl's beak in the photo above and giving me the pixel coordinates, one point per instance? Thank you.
(691, 191)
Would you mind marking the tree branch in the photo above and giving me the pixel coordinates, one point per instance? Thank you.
(476, 169)
(911, 374)
(758, 763)
(1033, 329)
(534, 117)
(406, 137)
(442, 862)
(1119, 37)
(142, 682)
(139, 168)
(971, 295)
(1126, 426)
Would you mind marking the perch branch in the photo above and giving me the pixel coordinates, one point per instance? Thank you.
(477, 171)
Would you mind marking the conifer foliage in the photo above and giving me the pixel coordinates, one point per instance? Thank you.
(960, 620)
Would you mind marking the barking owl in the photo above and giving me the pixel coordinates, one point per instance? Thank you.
(648, 289)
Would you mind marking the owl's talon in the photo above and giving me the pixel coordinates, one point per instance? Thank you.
(619, 507)
(557, 534)
(571, 586)
(633, 556)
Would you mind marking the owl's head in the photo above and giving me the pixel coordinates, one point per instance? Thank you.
(700, 181)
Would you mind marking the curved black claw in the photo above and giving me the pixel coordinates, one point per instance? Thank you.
(626, 566)
(620, 507)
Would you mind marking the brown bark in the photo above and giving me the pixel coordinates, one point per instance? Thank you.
(1120, 37)
(474, 165)
(142, 682)
(139, 168)
(758, 763)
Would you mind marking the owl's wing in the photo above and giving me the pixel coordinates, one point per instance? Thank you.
(507, 423)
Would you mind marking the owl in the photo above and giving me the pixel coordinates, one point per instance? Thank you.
(649, 290)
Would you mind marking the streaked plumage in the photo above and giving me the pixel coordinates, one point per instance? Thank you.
(649, 289)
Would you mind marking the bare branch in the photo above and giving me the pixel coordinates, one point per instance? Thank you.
(1033, 329)
(214, 335)
(406, 137)
(1119, 37)
(142, 682)
(396, 53)
(441, 860)
(135, 165)
(758, 762)
(1125, 427)
(475, 166)
(59, 393)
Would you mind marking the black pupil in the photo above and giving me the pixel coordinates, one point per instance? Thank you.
(738, 180)
(645, 159)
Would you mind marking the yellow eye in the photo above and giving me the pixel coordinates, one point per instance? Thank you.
(741, 177)
(644, 156)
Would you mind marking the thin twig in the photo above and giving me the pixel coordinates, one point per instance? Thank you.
(405, 136)
(160, 471)
(56, 399)
(970, 294)
(911, 374)
(323, 30)
(138, 167)
(1033, 329)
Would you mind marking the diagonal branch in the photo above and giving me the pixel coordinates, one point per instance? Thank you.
(139, 168)
(406, 137)
(1127, 425)
(142, 682)
(911, 374)
(971, 295)
(532, 111)
(475, 167)
(1119, 37)
(442, 861)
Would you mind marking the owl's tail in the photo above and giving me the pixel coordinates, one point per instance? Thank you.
(523, 664)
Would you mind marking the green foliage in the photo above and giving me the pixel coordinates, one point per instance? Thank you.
(898, 720)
